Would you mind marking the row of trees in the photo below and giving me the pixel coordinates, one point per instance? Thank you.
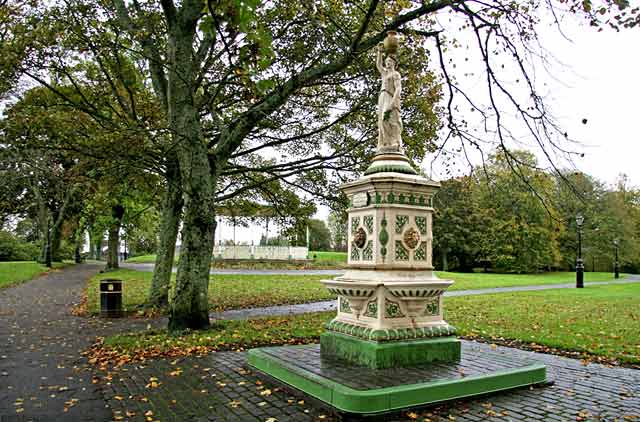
(211, 102)
(494, 218)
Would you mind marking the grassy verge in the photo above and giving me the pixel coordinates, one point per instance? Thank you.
(596, 323)
(467, 281)
(225, 291)
(601, 321)
(235, 291)
(323, 258)
(12, 273)
(145, 259)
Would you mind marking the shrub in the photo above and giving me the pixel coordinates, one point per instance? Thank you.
(14, 249)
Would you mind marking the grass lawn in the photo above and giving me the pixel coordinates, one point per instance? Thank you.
(466, 281)
(337, 259)
(12, 273)
(251, 291)
(600, 322)
(225, 291)
(145, 259)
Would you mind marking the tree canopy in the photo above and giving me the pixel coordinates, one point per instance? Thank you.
(223, 99)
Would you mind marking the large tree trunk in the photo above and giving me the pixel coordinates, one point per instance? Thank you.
(171, 213)
(117, 212)
(56, 240)
(188, 304)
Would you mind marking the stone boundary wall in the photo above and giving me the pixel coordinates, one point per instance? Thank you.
(276, 253)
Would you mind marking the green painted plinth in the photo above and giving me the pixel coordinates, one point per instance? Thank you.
(359, 390)
(380, 355)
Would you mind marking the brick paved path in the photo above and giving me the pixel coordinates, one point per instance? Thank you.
(42, 375)
(219, 388)
(44, 378)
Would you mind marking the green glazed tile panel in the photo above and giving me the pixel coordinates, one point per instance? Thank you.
(384, 399)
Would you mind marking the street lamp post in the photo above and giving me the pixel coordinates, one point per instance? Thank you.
(616, 264)
(579, 262)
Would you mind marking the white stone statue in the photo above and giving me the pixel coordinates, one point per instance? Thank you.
(389, 120)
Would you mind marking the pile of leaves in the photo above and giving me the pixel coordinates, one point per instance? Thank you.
(118, 350)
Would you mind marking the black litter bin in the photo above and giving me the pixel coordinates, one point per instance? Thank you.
(111, 298)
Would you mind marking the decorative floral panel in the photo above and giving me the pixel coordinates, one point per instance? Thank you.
(392, 309)
(420, 254)
(421, 223)
(432, 307)
(355, 252)
(344, 305)
(367, 220)
(401, 252)
(401, 220)
(367, 253)
(355, 222)
(372, 309)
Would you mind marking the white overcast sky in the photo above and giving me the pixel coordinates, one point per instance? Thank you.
(599, 79)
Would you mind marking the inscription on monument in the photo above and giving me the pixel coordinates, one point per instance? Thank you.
(360, 199)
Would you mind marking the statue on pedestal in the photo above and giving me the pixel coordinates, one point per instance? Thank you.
(389, 120)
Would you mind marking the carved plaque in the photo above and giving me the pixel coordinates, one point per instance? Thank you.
(360, 199)
(411, 238)
(360, 237)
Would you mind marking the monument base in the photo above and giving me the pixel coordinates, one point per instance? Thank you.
(376, 355)
(361, 390)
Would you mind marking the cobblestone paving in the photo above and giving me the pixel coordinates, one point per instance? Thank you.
(219, 388)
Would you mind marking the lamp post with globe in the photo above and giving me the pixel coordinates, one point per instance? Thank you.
(579, 262)
(616, 263)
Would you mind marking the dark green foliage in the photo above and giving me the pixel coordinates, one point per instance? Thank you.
(524, 220)
(13, 248)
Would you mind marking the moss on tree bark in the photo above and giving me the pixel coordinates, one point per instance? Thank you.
(170, 222)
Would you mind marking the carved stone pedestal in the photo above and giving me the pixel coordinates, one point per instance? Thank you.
(390, 302)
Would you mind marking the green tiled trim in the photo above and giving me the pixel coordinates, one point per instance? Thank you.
(388, 334)
(390, 168)
(380, 400)
(395, 354)
(391, 198)
(383, 237)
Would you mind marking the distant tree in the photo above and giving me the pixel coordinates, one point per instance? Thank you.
(319, 236)
(518, 231)
(337, 224)
(457, 225)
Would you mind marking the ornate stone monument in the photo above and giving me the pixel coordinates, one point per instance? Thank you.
(390, 301)
(389, 346)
